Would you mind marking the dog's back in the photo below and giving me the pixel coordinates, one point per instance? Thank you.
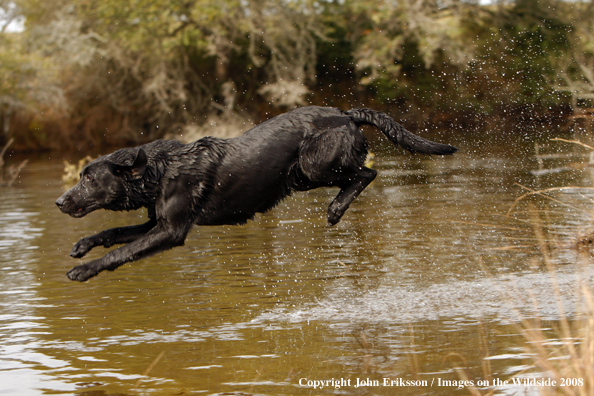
(294, 151)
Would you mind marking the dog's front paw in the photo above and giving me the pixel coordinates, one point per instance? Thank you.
(82, 247)
(81, 273)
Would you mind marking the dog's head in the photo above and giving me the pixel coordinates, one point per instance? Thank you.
(105, 183)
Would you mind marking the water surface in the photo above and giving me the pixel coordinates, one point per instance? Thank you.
(423, 269)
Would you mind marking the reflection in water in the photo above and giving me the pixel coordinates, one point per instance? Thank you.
(423, 266)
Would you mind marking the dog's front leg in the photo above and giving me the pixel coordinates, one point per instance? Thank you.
(111, 237)
(159, 238)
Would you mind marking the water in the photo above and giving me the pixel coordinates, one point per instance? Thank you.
(424, 270)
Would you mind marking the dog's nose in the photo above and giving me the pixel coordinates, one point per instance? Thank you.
(60, 202)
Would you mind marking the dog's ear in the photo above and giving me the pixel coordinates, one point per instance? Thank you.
(139, 165)
(136, 170)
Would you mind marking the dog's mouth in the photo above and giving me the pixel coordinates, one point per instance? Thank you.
(68, 207)
(80, 212)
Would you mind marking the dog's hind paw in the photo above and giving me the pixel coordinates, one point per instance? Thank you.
(335, 213)
(81, 273)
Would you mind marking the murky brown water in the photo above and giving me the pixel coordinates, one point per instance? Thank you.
(423, 269)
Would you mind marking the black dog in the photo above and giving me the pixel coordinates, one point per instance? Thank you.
(227, 181)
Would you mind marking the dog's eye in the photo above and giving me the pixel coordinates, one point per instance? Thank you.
(89, 177)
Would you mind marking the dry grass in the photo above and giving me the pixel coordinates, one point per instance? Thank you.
(71, 171)
(8, 177)
(227, 125)
(567, 354)
(564, 353)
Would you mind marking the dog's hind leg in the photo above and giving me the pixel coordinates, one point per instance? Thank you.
(349, 190)
(334, 157)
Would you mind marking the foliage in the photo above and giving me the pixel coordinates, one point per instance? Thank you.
(122, 72)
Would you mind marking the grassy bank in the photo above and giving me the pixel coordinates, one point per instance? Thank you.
(107, 73)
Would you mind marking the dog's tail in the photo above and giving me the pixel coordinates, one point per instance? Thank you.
(398, 134)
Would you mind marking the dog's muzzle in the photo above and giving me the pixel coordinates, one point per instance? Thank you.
(67, 205)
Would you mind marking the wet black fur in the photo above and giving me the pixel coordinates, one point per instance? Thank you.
(226, 181)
